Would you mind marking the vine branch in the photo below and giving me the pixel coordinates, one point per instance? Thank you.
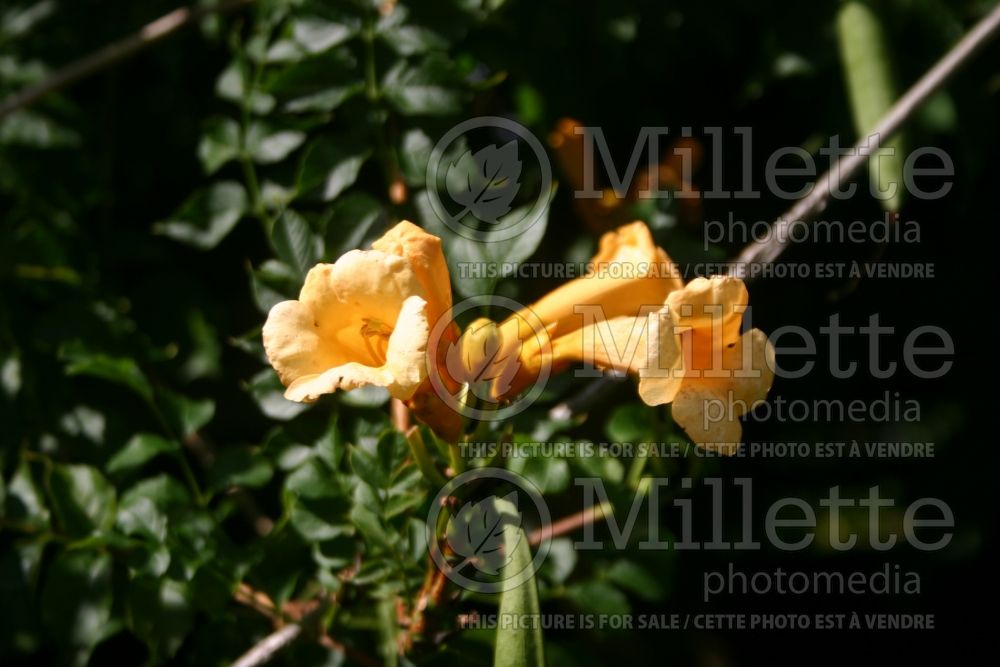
(113, 53)
(807, 208)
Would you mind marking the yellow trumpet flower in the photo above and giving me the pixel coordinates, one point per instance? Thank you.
(366, 320)
(719, 374)
(629, 275)
(683, 342)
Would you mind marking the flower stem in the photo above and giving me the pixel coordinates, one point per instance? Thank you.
(423, 458)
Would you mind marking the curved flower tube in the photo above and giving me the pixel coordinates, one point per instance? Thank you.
(629, 276)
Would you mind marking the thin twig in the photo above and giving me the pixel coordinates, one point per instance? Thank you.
(300, 613)
(262, 652)
(113, 53)
(257, 601)
(807, 208)
(399, 415)
(570, 523)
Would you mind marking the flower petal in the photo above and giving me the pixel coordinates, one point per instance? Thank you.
(630, 275)
(661, 377)
(406, 355)
(752, 382)
(403, 372)
(423, 253)
(704, 301)
(293, 345)
(703, 412)
(346, 377)
(362, 284)
(709, 408)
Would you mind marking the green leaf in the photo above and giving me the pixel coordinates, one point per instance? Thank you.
(27, 128)
(481, 249)
(410, 39)
(867, 60)
(82, 498)
(142, 517)
(20, 564)
(517, 645)
(330, 166)
(207, 216)
(317, 520)
(165, 492)
(319, 83)
(19, 21)
(269, 394)
(272, 283)
(76, 600)
(414, 153)
(524, 245)
(219, 143)
(284, 561)
(313, 480)
(295, 242)
(162, 613)
(230, 86)
(23, 502)
(324, 100)
(561, 561)
(120, 370)
(266, 146)
(365, 397)
(186, 415)
(598, 597)
(550, 475)
(239, 466)
(204, 351)
(635, 579)
(330, 445)
(370, 525)
(354, 218)
(632, 422)
(369, 467)
(291, 456)
(316, 35)
(429, 89)
(10, 375)
(141, 448)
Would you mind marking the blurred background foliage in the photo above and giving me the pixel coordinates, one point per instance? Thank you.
(153, 478)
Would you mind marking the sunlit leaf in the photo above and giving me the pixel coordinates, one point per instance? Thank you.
(140, 448)
(295, 242)
(330, 166)
(207, 216)
(77, 600)
(867, 59)
(84, 501)
(517, 644)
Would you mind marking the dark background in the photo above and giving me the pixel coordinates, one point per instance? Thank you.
(90, 205)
